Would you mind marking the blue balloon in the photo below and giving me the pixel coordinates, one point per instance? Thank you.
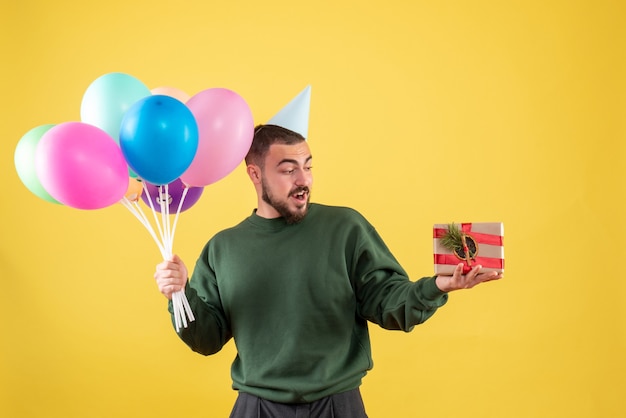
(159, 138)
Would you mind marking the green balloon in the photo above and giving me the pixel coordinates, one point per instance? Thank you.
(25, 162)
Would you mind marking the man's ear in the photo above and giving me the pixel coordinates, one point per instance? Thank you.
(254, 172)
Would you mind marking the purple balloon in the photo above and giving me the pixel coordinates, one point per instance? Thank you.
(175, 191)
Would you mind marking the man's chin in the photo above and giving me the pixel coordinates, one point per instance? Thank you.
(296, 216)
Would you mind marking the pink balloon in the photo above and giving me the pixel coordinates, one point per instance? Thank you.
(225, 127)
(81, 166)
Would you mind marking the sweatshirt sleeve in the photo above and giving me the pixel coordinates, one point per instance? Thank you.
(208, 333)
(385, 295)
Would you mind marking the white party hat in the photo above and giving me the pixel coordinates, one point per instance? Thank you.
(295, 115)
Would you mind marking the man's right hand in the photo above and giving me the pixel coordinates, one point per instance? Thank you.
(171, 276)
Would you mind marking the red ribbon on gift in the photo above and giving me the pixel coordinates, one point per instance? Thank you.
(480, 238)
(486, 262)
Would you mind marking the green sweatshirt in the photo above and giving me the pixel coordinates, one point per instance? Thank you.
(296, 300)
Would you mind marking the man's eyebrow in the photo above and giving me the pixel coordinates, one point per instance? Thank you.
(292, 161)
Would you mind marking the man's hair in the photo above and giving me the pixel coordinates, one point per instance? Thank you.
(264, 137)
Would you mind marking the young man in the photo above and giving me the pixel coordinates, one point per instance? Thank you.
(294, 285)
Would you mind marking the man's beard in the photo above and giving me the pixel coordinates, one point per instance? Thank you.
(282, 208)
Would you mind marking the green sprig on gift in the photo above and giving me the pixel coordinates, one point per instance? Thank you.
(452, 239)
(460, 243)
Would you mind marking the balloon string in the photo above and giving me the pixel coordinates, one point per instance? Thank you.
(156, 219)
(180, 205)
(143, 216)
(187, 308)
(164, 203)
(168, 232)
(151, 229)
(176, 307)
(180, 297)
(180, 304)
(142, 219)
(184, 300)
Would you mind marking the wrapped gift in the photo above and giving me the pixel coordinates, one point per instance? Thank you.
(470, 244)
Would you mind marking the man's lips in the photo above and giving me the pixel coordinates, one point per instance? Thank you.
(300, 194)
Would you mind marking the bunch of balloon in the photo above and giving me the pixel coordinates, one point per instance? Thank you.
(157, 136)
(161, 146)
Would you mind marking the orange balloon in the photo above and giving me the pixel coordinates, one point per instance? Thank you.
(135, 188)
(172, 92)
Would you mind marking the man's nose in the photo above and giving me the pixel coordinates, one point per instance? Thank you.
(303, 178)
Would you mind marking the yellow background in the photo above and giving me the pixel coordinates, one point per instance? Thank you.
(422, 112)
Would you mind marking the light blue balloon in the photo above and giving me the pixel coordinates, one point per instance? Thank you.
(159, 138)
(107, 99)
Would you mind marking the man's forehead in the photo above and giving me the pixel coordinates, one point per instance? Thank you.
(298, 152)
